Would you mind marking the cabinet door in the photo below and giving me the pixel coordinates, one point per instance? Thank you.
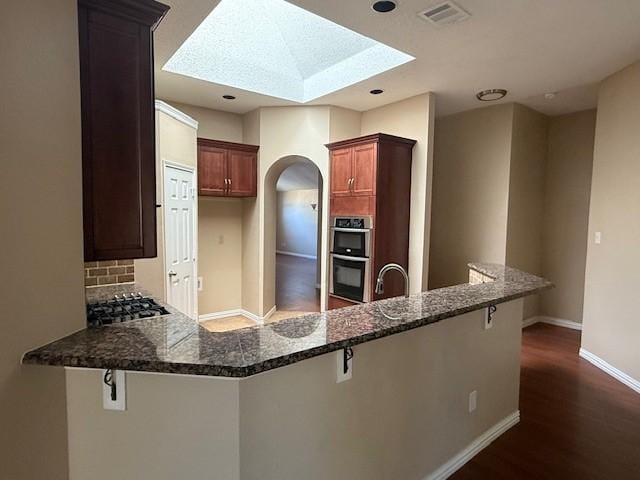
(341, 172)
(118, 145)
(242, 174)
(212, 171)
(364, 170)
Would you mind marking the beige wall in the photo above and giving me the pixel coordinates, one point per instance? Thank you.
(343, 124)
(297, 222)
(566, 213)
(175, 427)
(213, 124)
(220, 262)
(42, 296)
(610, 327)
(296, 422)
(470, 192)
(412, 118)
(526, 195)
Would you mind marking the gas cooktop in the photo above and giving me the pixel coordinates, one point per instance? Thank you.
(123, 308)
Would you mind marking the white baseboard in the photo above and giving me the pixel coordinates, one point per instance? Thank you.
(611, 370)
(560, 322)
(232, 313)
(301, 255)
(269, 313)
(475, 447)
(218, 315)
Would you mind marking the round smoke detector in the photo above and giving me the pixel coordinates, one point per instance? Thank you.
(491, 95)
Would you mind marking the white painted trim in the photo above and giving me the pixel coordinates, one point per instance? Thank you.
(232, 313)
(176, 114)
(301, 255)
(269, 313)
(606, 367)
(527, 322)
(222, 314)
(560, 322)
(475, 447)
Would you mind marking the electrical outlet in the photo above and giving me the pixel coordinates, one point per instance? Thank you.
(200, 284)
(341, 375)
(488, 314)
(119, 390)
(473, 401)
(598, 238)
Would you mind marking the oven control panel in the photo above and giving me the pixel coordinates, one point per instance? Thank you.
(359, 223)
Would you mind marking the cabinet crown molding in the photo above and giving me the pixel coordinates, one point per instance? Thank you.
(146, 12)
(242, 147)
(374, 137)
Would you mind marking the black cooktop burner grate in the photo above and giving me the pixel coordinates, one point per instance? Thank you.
(123, 308)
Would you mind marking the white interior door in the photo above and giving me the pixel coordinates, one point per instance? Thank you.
(179, 231)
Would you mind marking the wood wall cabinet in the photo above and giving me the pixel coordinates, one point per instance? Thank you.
(227, 169)
(371, 176)
(118, 132)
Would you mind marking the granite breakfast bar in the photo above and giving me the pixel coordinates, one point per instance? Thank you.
(197, 408)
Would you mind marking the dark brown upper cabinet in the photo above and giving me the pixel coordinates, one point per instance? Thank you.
(118, 131)
(227, 169)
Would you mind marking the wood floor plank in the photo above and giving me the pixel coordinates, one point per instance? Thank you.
(577, 422)
(296, 284)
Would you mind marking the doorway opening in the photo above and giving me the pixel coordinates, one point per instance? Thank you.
(298, 244)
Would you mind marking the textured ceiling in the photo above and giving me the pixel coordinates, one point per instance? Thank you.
(275, 48)
(529, 47)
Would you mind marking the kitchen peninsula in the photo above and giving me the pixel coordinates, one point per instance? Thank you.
(403, 414)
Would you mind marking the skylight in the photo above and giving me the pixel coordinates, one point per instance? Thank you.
(275, 48)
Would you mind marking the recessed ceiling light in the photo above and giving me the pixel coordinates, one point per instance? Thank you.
(550, 95)
(228, 97)
(384, 6)
(376, 91)
(491, 95)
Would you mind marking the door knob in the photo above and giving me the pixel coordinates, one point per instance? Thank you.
(172, 273)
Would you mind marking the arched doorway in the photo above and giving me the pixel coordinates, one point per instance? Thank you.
(293, 240)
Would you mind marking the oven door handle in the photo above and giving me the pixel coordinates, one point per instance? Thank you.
(353, 230)
(353, 259)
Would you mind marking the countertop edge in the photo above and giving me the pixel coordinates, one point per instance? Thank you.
(40, 357)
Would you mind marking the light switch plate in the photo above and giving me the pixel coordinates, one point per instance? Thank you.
(598, 238)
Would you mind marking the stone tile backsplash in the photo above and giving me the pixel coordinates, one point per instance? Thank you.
(109, 272)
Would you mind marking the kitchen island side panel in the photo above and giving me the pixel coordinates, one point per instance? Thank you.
(402, 415)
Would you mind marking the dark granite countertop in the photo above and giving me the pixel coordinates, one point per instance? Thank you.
(177, 344)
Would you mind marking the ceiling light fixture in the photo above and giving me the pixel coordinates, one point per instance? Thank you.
(376, 91)
(228, 97)
(491, 95)
(383, 6)
(550, 95)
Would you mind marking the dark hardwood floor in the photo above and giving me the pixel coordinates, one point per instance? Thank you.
(577, 422)
(296, 284)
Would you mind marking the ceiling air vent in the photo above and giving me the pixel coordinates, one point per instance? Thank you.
(442, 14)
